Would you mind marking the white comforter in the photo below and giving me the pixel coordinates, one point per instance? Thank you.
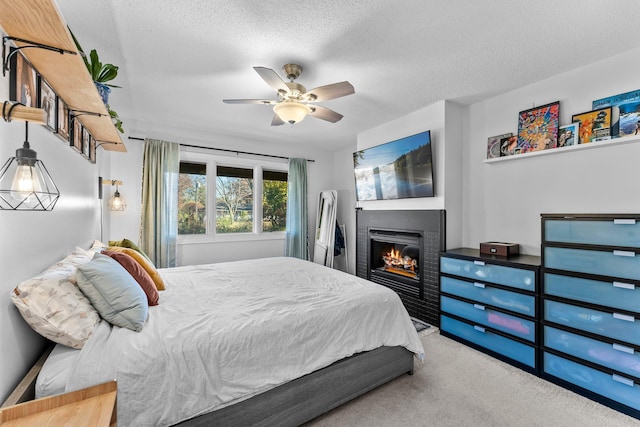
(225, 332)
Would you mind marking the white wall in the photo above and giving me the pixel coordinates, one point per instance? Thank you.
(31, 241)
(503, 201)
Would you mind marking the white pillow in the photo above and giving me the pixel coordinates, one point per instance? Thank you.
(54, 307)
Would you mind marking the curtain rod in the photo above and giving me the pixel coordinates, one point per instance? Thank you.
(228, 151)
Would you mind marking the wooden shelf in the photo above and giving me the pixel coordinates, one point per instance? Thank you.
(40, 21)
(599, 144)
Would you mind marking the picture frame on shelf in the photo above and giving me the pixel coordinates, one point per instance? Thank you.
(568, 135)
(48, 101)
(63, 121)
(628, 108)
(76, 134)
(538, 127)
(23, 81)
(92, 149)
(509, 146)
(597, 125)
(493, 145)
(86, 136)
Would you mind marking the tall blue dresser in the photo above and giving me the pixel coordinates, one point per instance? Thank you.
(491, 304)
(591, 306)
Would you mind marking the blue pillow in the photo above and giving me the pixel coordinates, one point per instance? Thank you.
(113, 292)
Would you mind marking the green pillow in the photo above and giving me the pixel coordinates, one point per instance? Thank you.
(126, 243)
(113, 292)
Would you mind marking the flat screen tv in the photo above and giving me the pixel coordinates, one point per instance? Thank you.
(398, 169)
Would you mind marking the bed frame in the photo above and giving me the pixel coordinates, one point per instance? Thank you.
(293, 403)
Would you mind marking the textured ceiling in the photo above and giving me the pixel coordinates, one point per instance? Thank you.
(179, 59)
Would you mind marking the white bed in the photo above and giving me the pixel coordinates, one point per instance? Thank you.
(223, 333)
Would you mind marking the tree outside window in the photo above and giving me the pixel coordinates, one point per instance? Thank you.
(234, 200)
(192, 198)
(274, 201)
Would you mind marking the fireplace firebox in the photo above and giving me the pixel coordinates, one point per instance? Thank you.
(395, 260)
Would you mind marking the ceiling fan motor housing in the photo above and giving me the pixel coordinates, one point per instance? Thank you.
(292, 71)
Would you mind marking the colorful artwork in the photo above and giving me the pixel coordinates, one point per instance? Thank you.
(538, 128)
(509, 146)
(595, 125)
(629, 108)
(568, 135)
(493, 145)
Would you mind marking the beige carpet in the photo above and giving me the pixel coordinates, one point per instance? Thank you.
(458, 386)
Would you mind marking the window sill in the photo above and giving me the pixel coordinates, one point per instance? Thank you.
(225, 238)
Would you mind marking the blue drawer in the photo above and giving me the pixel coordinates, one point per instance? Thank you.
(620, 232)
(620, 295)
(614, 387)
(478, 313)
(623, 264)
(613, 325)
(520, 303)
(478, 270)
(476, 334)
(619, 357)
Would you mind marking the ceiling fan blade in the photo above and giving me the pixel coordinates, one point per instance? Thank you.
(248, 101)
(332, 91)
(277, 121)
(325, 114)
(272, 78)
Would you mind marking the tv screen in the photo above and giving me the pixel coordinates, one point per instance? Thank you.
(396, 170)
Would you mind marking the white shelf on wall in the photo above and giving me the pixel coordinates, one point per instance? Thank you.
(598, 144)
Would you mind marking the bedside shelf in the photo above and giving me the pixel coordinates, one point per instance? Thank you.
(599, 144)
(40, 21)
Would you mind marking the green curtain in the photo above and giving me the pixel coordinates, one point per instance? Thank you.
(297, 210)
(159, 228)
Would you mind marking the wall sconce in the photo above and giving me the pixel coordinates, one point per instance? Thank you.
(25, 183)
(116, 202)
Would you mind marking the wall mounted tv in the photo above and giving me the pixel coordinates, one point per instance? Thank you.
(398, 169)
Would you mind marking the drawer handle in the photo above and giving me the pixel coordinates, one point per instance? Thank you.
(622, 380)
(623, 348)
(479, 306)
(624, 253)
(624, 285)
(624, 317)
(624, 221)
(478, 285)
(476, 262)
(479, 329)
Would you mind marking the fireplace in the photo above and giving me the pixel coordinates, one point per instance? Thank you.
(399, 250)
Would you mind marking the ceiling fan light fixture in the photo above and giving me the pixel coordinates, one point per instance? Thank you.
(291, 112)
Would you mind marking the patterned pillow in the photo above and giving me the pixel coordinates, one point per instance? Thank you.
(53, 305)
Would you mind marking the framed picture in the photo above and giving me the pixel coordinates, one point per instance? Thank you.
(493, 145)
(597, 125)
(568, 135)
(47, 100)
(92, 149)
(85, 141)
(23, 78)
(538, 127)
(629, 108)
(76, 134)
(509, 146)
(63, 120)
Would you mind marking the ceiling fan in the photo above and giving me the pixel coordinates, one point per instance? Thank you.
(294, 102)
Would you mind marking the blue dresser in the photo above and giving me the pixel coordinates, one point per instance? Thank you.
(591, 306)
(491, 304)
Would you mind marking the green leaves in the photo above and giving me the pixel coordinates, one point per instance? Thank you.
(101, 73)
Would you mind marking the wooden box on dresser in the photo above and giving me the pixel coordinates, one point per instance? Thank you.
(491, 303)
(591, 306)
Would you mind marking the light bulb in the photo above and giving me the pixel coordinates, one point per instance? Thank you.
(25, 182)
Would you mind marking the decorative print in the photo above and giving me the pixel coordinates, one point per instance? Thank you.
(493, 145)
(597, 125)
(538, 128)
(629, 109)
(568, 135)
(48, 102)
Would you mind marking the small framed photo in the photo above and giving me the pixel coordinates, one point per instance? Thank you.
(493, 145)
(568, 135)
(92, 149)
(63, 120)
(509, 146)
(597, 125)
(76, 134)
(538, 127)
(24, 85)
(86, 136)
(48, 102)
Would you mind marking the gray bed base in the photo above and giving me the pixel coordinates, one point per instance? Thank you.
(312, 395)
(290, 404)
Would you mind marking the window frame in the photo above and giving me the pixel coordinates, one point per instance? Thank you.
(212, 161)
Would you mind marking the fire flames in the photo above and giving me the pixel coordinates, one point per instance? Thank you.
(395, 262)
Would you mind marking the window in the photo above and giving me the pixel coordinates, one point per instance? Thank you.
(274, 201)
(192, 198)
(249, 198)
(234, 200)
